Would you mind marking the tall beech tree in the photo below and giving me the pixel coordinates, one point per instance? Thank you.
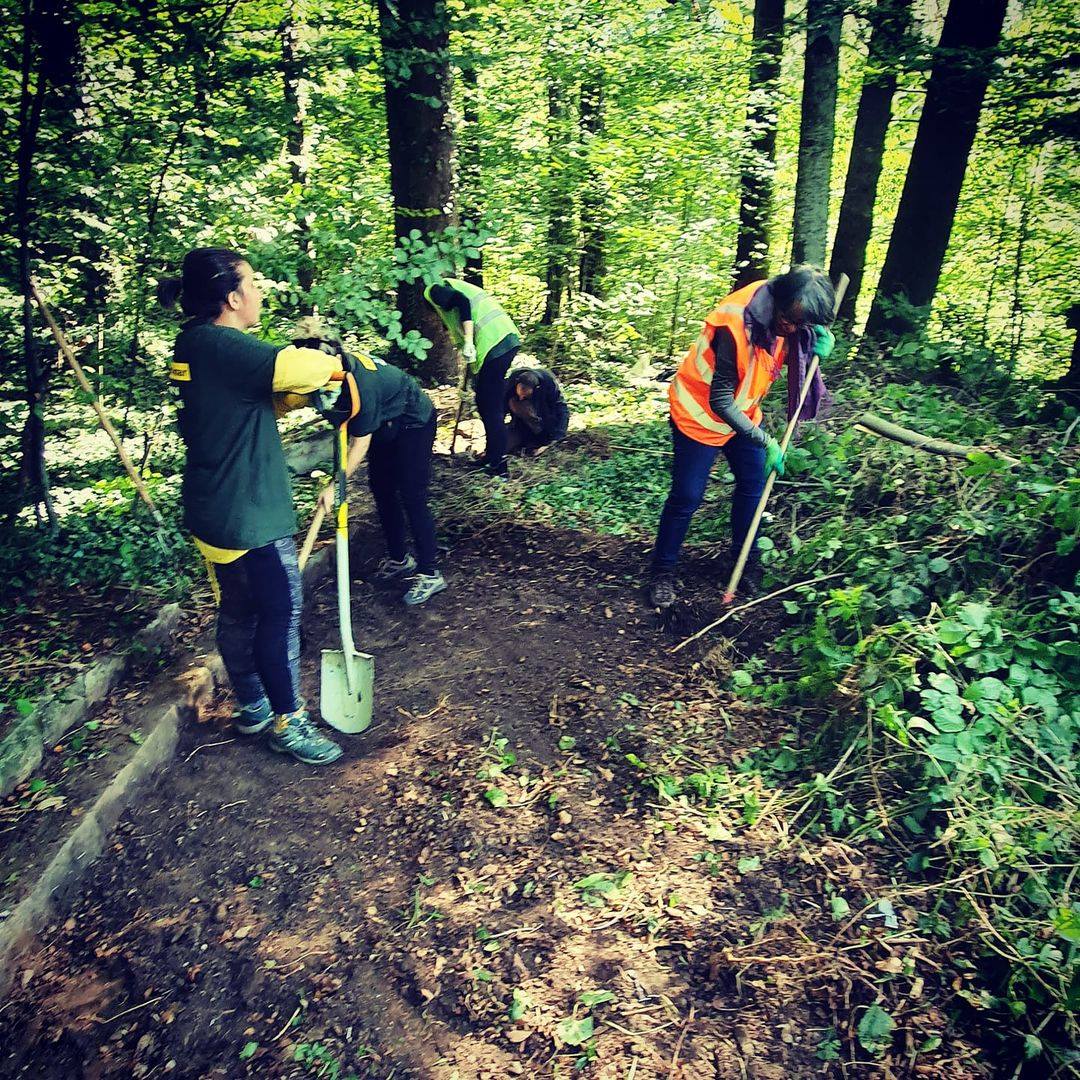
(963, 66)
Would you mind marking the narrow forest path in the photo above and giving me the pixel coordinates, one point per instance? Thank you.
(489, 884)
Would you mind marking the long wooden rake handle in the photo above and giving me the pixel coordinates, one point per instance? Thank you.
(80, 377)
(312, 534)
(751, 535)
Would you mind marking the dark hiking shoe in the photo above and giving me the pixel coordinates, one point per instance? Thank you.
(424, 587)
(662, 590)
(251, 719)
(295, 734)
(390, 570)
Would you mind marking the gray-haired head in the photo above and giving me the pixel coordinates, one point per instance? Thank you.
(803, 295)
(312, 333)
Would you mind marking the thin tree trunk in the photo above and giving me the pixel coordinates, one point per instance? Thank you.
(678, 279)
(415, 37)
(891, 26)
(594, 195)
(141, 269)
(950, 118)
(810, 227)
(472, 210)
(33, 474)
(759, 144)
(1019, 312)
(560, 207)
(296, 102)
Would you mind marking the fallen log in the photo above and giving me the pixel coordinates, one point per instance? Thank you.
(888, 430)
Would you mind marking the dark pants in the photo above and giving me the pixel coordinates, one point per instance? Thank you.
(689, 477)
(258, 629)
(491, 404)
(399, 472)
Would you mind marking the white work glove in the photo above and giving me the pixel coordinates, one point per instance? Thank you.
(468, 350)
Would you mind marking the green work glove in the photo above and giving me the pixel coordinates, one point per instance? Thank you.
(824, 342)
(774, 458)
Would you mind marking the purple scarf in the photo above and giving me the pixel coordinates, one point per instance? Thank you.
(758, 317)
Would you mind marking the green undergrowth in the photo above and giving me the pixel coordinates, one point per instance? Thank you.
(929, 670)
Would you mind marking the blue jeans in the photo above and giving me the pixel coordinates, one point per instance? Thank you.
(689, 477)
(258, 629)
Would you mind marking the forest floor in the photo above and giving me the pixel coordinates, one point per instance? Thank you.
(494, 881)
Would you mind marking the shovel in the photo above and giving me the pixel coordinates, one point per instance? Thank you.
(348, 677)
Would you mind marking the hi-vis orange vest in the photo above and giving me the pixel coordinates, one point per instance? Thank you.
(689, 390)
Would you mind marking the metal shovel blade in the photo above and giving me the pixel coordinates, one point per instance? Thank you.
(346, 702)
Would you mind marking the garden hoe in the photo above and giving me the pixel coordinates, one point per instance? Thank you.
(348, 677)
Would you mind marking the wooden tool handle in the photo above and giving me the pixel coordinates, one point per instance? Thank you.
(312, 533)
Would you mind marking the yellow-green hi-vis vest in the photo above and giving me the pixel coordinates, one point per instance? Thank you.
(490, 323)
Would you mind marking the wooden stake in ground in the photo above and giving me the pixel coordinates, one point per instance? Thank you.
(751, 536)
(80, 376)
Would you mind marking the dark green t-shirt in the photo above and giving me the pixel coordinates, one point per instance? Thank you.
(387, 394)
(236, 490)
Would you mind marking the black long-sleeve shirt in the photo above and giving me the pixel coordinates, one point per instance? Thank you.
(725, 382)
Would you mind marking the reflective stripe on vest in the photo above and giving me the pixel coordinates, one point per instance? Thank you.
(689, 390)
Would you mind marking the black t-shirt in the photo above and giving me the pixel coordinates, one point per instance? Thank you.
(236, 491)
(387, 394)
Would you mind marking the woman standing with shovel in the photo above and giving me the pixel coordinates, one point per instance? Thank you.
(716, 404)
(236, 495)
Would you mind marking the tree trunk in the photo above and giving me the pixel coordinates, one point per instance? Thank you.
(33, 474)
(296, 102)
(560, 206)
(415, 38)
(593, 195)
(759, 144)
(810, 228)
(950, 118)
(471, 180)
(892, 23)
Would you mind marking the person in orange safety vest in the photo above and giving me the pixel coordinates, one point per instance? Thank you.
(716, 404)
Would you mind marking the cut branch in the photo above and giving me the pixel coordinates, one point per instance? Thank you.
(888, 430)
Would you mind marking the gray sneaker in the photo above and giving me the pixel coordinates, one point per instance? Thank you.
(424, 587)
(251, 719)
(390, 570)
(294, 733)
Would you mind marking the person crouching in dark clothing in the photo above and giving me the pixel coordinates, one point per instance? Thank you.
(538, 413)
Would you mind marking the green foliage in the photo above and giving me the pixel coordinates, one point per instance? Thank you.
(111, 540)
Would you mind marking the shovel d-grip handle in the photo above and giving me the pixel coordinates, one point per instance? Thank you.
(751, 534)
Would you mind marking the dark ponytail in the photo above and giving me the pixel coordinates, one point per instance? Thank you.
(209, 275)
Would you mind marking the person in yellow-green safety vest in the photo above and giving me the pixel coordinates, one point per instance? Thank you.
(229, 389)
(489, 341)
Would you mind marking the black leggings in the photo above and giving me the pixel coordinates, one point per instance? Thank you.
(491, 404)
(399, 471)
(258, 627)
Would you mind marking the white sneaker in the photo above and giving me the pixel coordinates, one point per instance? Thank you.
(424, 587)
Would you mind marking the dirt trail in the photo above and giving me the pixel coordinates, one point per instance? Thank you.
(437, 904)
